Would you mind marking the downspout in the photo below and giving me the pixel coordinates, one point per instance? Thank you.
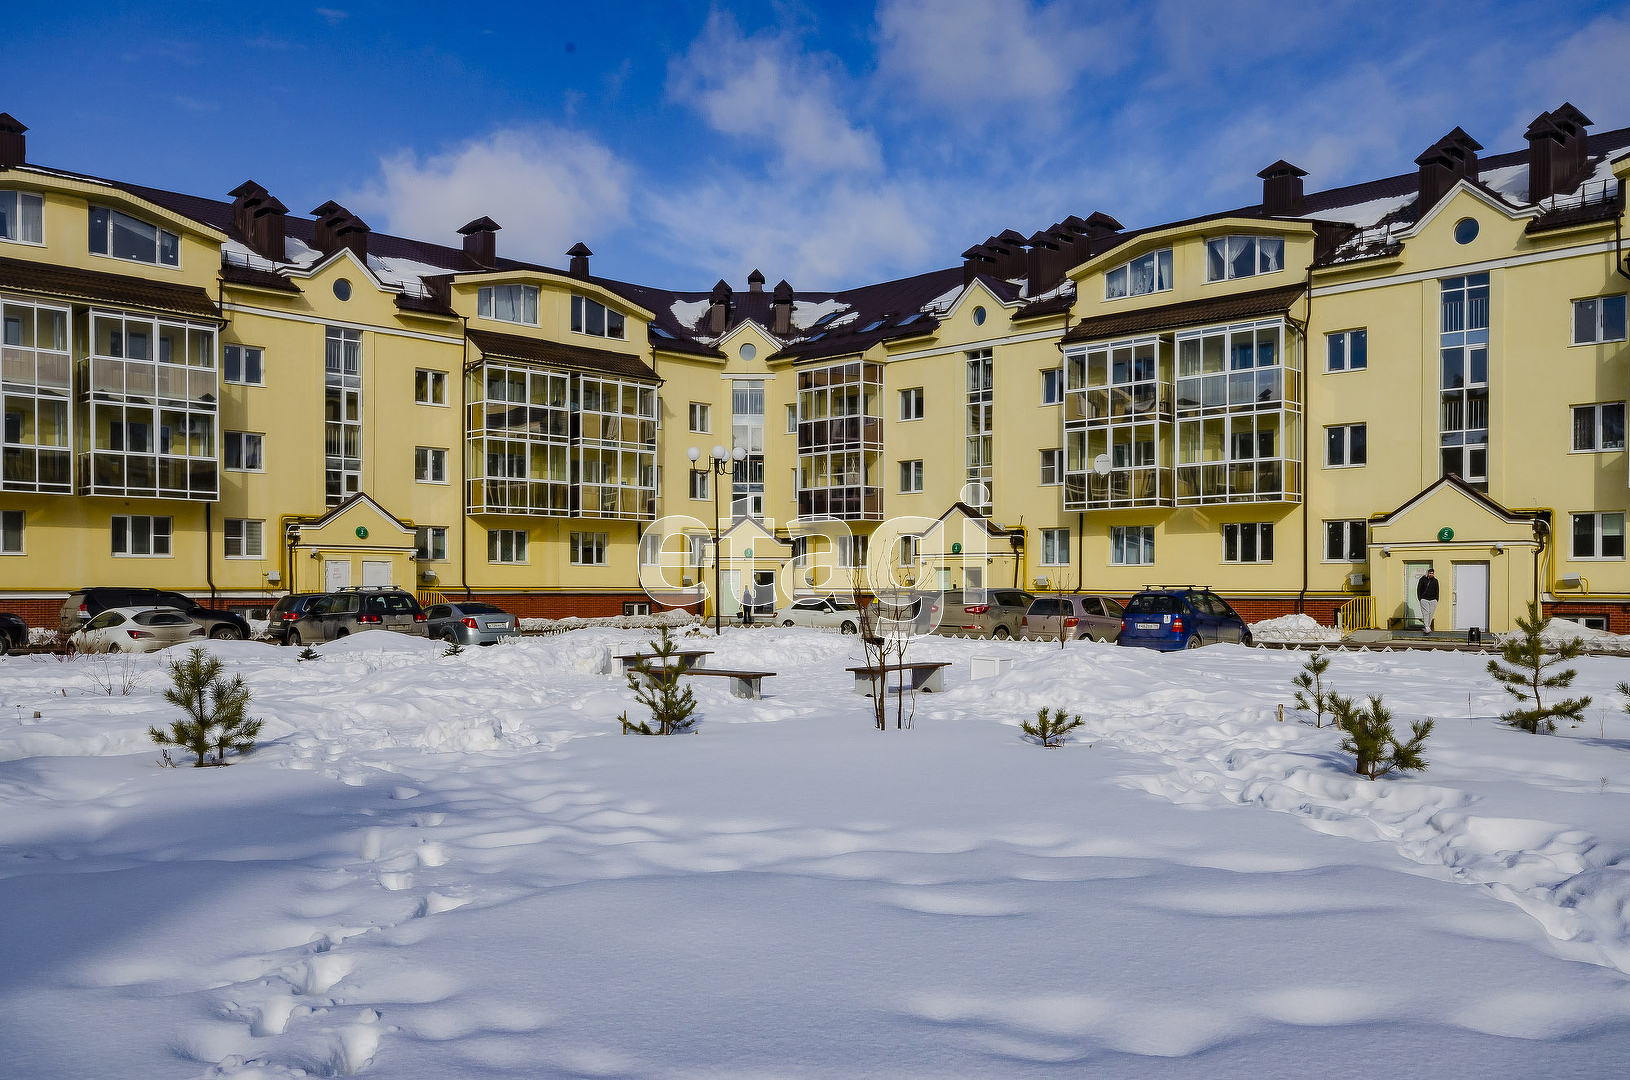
(1621, 261)
(1081, 552)
(1301, 597)
(463, 469)
(1539, 548)
(209, 552)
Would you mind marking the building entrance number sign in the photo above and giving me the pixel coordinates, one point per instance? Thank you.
(362, 532)
(1446, 534)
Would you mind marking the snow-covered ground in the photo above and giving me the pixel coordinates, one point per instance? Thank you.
(453, 867)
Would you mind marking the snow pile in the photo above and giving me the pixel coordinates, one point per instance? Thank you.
(689, 312)
(806, 314)
(1293, 630)
(43, 635)
(672, 618)
(1561, 631)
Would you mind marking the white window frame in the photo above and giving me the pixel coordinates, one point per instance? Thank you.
(507, 547)
(1055, 378)
(1596, 412)
(122, 532)
(1255, 241)
(1595, 519)
(1258, 531)
(159, 233)
(425, 543)
(526, 296)
(435, 387)
(792, 419)
(701, 489)
(910, 547)
(911, 472)
(911, 404)
(238, 356)
(704, 411)
(238, 531)
(19, 215)
(21, 527)
(1055, 547)
(1346, 440)
(1160, 262)
(244, 440)
(1053, 460)
(1341, 343)
(1598, 319)
(1350, 527)
(427, 462)
(594, 545)
(583, 307)
(1117, 545)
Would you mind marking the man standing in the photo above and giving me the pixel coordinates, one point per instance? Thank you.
(1426, 591)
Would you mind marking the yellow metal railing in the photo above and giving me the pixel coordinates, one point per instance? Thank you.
(1358, 614)
(428, 597)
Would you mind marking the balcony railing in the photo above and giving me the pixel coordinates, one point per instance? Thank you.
(1259, 480)
(844, 503)
(28, 468)
(155, 475)
(1119, 489)
(532, 497)
(27, 369)
(840, 433)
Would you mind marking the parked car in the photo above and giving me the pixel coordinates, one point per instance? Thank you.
(995, 614)
(286, 612)
(1180, 618)
(470, 622)
(13, 632)
(822, 612)
(910, 612)
(83, 605)
(351, 611)
(136, 630)
(1072, 616)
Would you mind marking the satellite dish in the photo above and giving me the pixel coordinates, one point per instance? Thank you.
(1100, 464)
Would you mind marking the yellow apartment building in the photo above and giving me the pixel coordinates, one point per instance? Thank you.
(1302, 403)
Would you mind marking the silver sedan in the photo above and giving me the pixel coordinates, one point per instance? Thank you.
(470, 623)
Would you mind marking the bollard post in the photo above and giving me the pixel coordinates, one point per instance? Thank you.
(1281, 712)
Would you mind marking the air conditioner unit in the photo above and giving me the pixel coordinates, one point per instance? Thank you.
(1042, 583)
(273, 578)
(1572, 581)
(1357, 580)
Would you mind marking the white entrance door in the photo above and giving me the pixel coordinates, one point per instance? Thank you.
(376, 572)
(336, 574)
(1471, 595)
(1413, 572)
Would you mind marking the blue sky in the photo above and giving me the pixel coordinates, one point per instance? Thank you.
(830, 144)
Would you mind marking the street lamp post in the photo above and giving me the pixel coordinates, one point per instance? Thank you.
(720, 463)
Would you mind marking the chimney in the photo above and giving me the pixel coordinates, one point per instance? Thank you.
(1282, 189)
(975, 261)
(781, 310)
(1546, 153)
(579, 267)
(718, 308)
(337, 227)
(1575, 154)
(260, 220)
(13, 143)
(755, 282)
(480, 245)
(1445, 163)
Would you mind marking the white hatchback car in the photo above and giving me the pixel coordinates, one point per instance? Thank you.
(821, 612)
(136, 630)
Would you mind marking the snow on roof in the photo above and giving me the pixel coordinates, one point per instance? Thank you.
(806, 314)
(1365, 214)
(942, 303)
(689, 312)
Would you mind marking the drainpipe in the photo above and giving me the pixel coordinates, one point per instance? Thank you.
(209, 553)
(1081, 552)
(464, 485)
(1301, 597)
(1621, 261)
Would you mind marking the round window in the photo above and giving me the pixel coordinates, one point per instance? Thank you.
(1465, 230)
(342, 288)
(748, 351)
(979, 316)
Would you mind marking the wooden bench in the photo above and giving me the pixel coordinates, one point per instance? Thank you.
(743, 684)
(927, 676)
(685, 658)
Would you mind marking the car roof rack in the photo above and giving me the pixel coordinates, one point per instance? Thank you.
(1175, 588)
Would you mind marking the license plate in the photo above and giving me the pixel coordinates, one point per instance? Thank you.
(496, 625)
(1148, 626)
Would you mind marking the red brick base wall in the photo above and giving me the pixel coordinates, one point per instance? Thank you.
(36, 612)
(1616, 614)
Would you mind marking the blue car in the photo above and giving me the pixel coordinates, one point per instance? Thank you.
(1185, 617)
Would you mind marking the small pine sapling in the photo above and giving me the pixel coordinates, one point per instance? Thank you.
(453, 649)
(1370, 739)
(1049, 729)
(216, 707)
(1523, 675)
(309, 653)
(1311, 696)
(657, 687)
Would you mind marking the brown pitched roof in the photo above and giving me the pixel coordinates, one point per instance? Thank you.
(1188, 313)
(96, 285)
(555, 354)
(425, 305)
(233, 274)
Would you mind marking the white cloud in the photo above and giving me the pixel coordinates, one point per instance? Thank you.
(768, 89)
(1587, 69)
(978, 57)
(546, 186)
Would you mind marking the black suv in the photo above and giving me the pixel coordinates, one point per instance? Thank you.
(286, 612)
(83, 605)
